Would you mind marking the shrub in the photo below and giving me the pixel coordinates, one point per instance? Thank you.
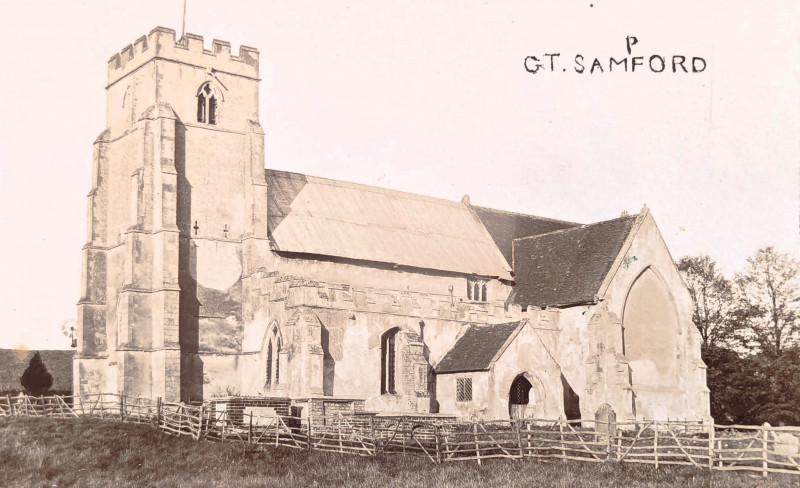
(36, 379)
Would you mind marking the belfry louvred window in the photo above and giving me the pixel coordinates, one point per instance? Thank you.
(207, 104)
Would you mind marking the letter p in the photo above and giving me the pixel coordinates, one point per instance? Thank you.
(631, 41)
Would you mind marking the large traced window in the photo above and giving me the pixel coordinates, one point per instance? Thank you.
(650, 329)
(207, 102)
(388, 361)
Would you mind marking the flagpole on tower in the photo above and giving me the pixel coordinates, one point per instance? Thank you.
(183, 23)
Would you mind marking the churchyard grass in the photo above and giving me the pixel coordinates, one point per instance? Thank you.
(46, 452)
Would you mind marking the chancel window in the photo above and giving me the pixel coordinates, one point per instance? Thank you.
(388, 361)
(207, 104)
(463, 389)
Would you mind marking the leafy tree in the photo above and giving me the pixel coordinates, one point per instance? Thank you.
(768, 301)
(736, 384)
(712, 294)
(36, 379)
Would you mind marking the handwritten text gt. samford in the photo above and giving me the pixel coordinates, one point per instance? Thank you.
(656, 63)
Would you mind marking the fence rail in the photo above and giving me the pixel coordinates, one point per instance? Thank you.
(763, 449)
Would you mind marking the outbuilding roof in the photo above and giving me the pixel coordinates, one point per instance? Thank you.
(568, 266)
(476, 348)
(319, 216)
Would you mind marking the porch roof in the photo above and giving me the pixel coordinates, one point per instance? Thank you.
(476, 348)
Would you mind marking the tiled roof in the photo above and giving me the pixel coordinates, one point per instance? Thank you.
(568, 266)
(325, 217)
(14, 362)
(476, 348)
(505, 226)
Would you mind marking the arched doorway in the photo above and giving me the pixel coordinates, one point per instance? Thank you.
(519, 396)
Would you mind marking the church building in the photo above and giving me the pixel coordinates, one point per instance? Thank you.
(205, 275)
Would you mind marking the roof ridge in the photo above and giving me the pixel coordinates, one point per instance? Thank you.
(511, 212)
(323, 180)
(577, 228)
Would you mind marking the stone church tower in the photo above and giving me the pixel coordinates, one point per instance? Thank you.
(178, 191)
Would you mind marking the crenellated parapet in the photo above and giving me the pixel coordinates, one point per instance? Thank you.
(161, 43)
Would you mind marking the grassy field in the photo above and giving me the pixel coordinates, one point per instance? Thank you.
(40, 452)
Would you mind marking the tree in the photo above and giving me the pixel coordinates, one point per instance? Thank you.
(768, 301)
(36, 379)
(712, 294)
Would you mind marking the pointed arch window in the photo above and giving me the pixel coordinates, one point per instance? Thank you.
(278, 362)
(207, 104)
(272, 366)
(269, 365)
(388, 361)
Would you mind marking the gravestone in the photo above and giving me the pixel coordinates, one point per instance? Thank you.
(605, 419)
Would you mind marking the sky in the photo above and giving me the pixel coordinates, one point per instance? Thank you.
(431, 97)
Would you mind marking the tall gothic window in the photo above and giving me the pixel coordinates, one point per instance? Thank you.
(207, 104)
(388, 361)
(278, 363)
(272, 367)
(269, 365)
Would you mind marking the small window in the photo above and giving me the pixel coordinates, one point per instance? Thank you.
(476, 290)
(422, 377)
(463, 389)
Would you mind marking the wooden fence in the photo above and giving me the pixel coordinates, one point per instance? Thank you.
(763, 449)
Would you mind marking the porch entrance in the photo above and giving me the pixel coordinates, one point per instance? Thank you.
(519, 398)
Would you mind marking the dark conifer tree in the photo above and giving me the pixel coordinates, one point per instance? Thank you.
(36, 379)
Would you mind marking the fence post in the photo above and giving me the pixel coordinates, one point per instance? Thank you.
(374, 440)
(223, 418)
(610, 446)
(339, 433)
(277, 428)
(158, 413)
(519, 439)
(764, 458)
(201, 420)
(655, 441)
(250, 429)
(711, 435)
(10, 405)
(122, 407)
(438, 445)
(477, 446)
(561, 439)
(310, 430)
(403, 435)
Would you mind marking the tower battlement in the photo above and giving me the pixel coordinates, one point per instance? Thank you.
(161, 43)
